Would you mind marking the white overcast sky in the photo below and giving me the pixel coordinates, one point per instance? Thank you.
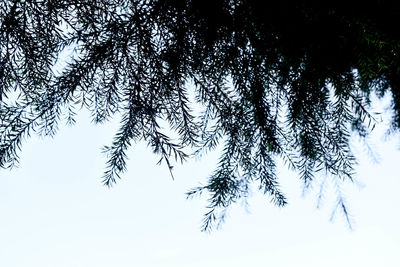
(55, 212)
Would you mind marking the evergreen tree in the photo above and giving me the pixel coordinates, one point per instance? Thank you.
(291, 80)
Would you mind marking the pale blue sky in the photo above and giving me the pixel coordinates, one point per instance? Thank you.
(55, 212)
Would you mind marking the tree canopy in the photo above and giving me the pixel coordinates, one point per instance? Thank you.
(273, 80)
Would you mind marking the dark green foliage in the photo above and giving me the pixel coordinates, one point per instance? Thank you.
(290, 80)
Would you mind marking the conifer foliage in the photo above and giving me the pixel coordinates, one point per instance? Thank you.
(289, 80)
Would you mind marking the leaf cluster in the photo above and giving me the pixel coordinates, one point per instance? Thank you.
(289, 81)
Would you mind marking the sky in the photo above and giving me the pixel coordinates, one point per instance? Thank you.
(56, 213)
